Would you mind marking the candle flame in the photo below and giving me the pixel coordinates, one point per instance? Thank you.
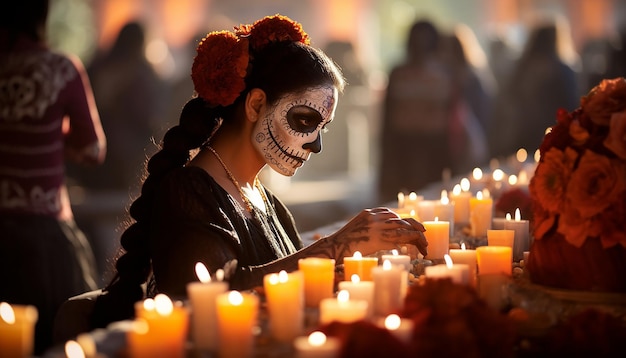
(463, 246)
(317, 339)
(392, 322)
(512, 179)
(74, 350)
(479, 195)
(498, 175)
(394, 252)
(412, 196)
(273, 279)
(357, 255)
(465, 184)
(283, 276)
(518, 215)
(343, 296)
(400, 199)
(235, 298)
(219, 274)
(355, 278)
(456, 190)
(386, 265)
(163, 304)
(202, 273)
(521, 155)
(149, 304)
(412, 213)
(508, 216)
(436, 218)
(477, 173)
(486, 193)
(444, 197)
(448, 260)
(6, 313)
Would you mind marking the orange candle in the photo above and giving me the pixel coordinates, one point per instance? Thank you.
(467, 257)
(285, 303)
(236, 316)
(319, 279)
(500, 237)
(438, 236)
(17, 324)
(359, 265)
(481, 213)
(494, 260)
(160, 329)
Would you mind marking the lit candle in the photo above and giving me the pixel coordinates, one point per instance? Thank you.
(403, 261)
(17, 328)
(360, 290)
(342, 309)
(388, 287)
(426, 210)
(500, 238)
(458, 273)
(159, 330)
(317, 345)
(236, 317)
(467, 257)
(461, 199)
(412, 201)
(285, 303)
(498, 223)
(444, 210)
(521, 240)
(359, 265)
(401, 328)
(481, 213)
(319, 279)
(438, 236)
(494, 260)
(202, 296)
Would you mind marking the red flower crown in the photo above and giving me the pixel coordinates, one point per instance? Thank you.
(221, 64)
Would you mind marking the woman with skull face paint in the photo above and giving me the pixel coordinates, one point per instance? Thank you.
(264, 98)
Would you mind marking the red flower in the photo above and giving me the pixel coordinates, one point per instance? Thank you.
(616, 140)
(275, 28)
(605, 99)
(219, 69)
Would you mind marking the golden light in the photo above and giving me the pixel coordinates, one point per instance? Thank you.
(343, 296)
(6, 313)
(73, 350)
(317, 339)
(355, 278)
(392, 322)
(521, 155)
(163, 304)
(477, 173)
(202, 273)
(235, 298)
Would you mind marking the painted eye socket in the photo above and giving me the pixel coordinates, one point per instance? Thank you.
(303, 119)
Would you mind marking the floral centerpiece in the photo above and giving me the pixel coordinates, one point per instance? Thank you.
(579, 196)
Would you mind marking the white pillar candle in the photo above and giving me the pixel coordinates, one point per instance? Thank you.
(317, 345)
(426, 210)
(342, 309)
(467, 257)
(458, 273)
(461, 199)
(202, 296)
(360, 290)
(444, 211)
(401, 328)
(285, 303)
(438, 236)
(481, 213)
(521, 240)
(396, 259)
(236, 317)
(388, 287)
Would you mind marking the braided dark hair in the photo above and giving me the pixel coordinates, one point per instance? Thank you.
(277, 68)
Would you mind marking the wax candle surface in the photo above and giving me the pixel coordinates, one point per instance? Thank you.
(17, 329)
(236, 316)
(319, 279)
(481, 214)
(461, 200)
(389, 281)
(395, 258)
(494, 260)
(359, 265)
(317, 345)
(501, 237)
(285, 303)
(342, 309)
(202, 297)
(438, 236)
(401, 328)
(467, 257)
(360, 290)
(522, 235)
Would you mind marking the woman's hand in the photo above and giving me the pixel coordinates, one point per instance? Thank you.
(377, 229)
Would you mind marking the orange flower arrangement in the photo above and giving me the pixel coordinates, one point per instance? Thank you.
(579, 186)
(221, 64)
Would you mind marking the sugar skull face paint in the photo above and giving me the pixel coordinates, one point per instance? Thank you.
(290, 130)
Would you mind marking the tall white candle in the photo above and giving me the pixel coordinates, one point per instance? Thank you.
(396, 259)
(360, 290)
(444, 210)
(481, 213)
(388, 286)
(285, 303)
(521, 240)
(438, 236)
(202, 296)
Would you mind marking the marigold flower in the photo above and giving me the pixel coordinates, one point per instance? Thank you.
(616, 139)
(605, 99)
(549, 183)
(275, 28)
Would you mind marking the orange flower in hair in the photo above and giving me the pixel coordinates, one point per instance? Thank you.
(219, 68)
(275, 28)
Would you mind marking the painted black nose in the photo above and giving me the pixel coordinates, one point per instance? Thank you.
(316, 145)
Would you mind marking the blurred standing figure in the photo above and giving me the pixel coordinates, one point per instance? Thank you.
(129, 94)
(544, 80)
(47, 115)
(416, 115)
(474, 87)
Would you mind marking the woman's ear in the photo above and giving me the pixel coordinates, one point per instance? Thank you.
(255, 102)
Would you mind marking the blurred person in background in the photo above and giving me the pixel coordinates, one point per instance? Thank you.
(416, 117)
(544, 80)
(47, 116)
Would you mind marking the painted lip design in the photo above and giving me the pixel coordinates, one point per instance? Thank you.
(299, 160)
